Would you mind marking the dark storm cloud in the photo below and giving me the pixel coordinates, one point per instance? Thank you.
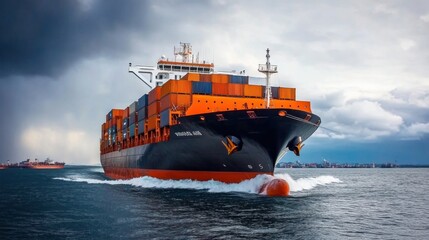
(42, 37)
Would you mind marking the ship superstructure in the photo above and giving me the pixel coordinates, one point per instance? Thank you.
(175, 69)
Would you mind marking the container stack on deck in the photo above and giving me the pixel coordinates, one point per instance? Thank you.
(111, 129)
(148, 120)
(142, 107)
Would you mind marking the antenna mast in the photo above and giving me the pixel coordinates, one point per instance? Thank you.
(185, 50)
(267, 69)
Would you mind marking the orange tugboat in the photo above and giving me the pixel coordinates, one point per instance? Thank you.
(199, 124)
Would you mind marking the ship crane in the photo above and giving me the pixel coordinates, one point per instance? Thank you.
(267, 69)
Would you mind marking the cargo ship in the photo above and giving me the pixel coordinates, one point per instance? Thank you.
(196, 123)
(29, 164)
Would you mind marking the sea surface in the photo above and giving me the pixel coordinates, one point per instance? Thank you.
(80, 203)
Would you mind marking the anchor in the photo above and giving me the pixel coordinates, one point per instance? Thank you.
(295, 145)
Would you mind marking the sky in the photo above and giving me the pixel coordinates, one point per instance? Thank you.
(362, 64)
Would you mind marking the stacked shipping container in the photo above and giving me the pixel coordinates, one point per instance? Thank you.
(132, 119)
(160, 108)
(142, 108)
(153, 107)
(111, 129)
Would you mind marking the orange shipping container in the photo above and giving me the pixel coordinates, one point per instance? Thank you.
(103, 127)
(220, 78)
(126, 112)
(175, 101)
(153, 108)
(152, 122)
(235, 89)
(114, 113)
(287, 93)
(176, 86)
(117, 113)
(119, 124)
(252, 91)
(220, 89)
(206, 77)
(154, 94)
(192, 77)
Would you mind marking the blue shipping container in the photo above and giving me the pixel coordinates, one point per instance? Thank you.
(112, 130)
(132, 130)
(202, 87)
(164, 118)
(274, 92)
(132, 118)
(142, 113)
(143, 101)
(239, 79)
(141, 127)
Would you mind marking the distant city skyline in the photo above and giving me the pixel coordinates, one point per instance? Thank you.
(362, 64)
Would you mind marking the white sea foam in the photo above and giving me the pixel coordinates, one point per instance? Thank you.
(97, 170)
(247, 186)
(306, 183)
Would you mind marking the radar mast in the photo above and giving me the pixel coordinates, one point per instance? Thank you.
(267, 69)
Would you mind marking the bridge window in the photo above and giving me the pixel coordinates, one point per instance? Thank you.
(176, 68)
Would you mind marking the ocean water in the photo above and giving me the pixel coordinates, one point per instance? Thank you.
(80, 203)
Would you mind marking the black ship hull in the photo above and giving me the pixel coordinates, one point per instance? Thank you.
(226, 146)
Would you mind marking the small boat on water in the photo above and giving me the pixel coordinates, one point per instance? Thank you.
(47, 164)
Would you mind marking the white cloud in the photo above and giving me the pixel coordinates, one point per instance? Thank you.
(70, 146)
(413, 96)
(415, 130)
(355, 114)
(407, 44)
(361, 120)
(382, 8)
(425, 18)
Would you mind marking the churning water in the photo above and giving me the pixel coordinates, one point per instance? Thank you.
(80, 203)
